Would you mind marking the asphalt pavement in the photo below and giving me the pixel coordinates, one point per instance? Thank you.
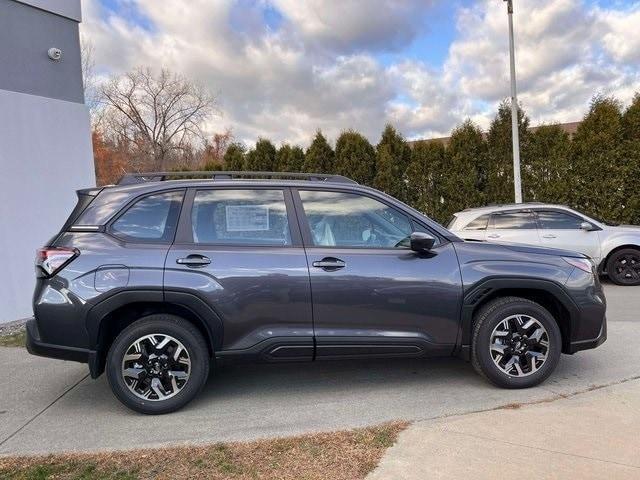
(52, 406)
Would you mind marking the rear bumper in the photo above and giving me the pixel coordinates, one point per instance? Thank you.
(592, 342)
(36, 346)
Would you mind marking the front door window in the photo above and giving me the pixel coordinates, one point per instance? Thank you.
(347, 220)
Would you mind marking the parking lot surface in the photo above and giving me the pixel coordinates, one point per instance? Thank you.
(52, 406)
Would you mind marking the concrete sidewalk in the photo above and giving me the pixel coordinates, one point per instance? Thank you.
(590, 435)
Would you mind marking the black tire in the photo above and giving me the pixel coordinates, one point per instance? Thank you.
(161, 324)
(623, 267)
(488, 319)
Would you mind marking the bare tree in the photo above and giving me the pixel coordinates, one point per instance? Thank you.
(89, 83)
(216, 147)
(158, 113)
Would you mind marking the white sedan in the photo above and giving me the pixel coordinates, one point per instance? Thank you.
(614, 248)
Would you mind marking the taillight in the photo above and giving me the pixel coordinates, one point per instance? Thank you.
(49, 260)
(583, 264)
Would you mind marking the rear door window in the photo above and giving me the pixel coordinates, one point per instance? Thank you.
(151, 219)
(240, 217)
(513, 221)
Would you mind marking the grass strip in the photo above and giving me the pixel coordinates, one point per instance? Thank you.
(342, 455)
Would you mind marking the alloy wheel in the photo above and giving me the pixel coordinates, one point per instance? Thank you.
(627, 267)
(519, 345)
(156, 367)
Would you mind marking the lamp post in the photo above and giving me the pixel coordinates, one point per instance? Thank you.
(517, 183)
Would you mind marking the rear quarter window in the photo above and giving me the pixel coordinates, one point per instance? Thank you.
(150, 219)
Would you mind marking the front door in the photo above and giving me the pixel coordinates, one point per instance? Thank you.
(562, 230)
(372, 295)
(239, 250)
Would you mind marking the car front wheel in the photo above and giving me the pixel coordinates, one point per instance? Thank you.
(516, 342)
(158, 364)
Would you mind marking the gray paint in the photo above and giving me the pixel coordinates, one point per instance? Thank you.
(260, 299)
(26, 34)
(45, 155)
(66, 8)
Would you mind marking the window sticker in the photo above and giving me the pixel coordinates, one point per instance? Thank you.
(247, 218)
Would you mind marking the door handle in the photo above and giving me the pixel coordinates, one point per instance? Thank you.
(493, 235)
(548, 235)
(329, 263)
(194, 261)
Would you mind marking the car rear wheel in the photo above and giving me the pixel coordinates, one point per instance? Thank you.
(158, 364)
(516, 343)
(623, 267)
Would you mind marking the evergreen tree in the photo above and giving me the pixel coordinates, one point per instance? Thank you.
(424, 174)
(464, 176)
(499, 187)
(598, 170)
(263, 157)
(631, 120)
(355, 157)
(212, 166)
(234, 157)
(319, 157)
(290, 159)
(546, 175)
(393, 156)
(630, 154)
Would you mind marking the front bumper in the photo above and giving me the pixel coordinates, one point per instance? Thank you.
(36, 346)
(590, 343)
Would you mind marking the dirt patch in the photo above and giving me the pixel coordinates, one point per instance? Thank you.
(345, 455)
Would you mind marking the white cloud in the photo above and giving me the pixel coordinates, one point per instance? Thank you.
(565, 53)
(621, 39)
(320, 69)
(349, 25)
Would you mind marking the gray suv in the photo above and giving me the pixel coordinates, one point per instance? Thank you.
(155, 278)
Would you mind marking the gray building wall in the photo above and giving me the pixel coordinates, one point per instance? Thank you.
(26, 34)
(65, 8)
(45, 137)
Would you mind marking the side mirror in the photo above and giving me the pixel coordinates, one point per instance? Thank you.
(586, 226)
(422, 242)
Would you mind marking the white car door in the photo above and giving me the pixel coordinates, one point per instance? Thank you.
(561, 229)
(513, 226)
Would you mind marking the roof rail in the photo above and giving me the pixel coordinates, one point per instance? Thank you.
(493, 205)
(133, 178)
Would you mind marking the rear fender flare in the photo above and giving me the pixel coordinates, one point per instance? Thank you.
(209, 319)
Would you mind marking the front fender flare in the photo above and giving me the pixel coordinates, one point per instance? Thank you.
(490, 286)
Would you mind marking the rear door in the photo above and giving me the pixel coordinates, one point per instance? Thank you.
(513, 226)
(561, 229)
(239, 250)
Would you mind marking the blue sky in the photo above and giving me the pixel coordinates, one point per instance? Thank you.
(283, 68)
